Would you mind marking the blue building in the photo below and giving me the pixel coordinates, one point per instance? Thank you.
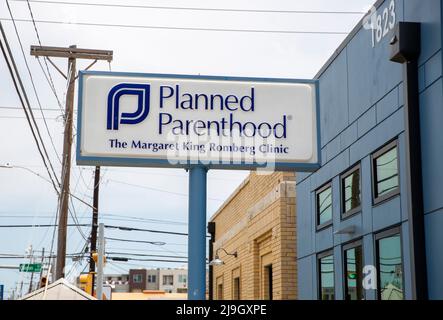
(352, 213)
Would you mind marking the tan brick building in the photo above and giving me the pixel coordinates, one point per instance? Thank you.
(258, 222)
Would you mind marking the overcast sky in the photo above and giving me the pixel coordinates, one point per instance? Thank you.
(159, 194)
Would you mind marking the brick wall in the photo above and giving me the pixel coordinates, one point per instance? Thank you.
(258, 221)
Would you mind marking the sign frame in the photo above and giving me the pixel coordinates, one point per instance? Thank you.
(164, 163)
(30, 267)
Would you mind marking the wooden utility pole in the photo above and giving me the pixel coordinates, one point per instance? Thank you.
(72, 53)
(94, 226)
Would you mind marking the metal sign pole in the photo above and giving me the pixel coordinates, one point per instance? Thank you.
(197, 233)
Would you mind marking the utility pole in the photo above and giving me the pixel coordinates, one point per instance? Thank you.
(42, 261)
(94, 226)
(100, 260)
(21, 289)
(32, 273)
(72, 53)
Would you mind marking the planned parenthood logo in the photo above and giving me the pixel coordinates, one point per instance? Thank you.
(142, 91)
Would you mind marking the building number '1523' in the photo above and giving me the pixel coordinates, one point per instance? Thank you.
(383, 23)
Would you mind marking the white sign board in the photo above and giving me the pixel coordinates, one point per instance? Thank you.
(176, 121)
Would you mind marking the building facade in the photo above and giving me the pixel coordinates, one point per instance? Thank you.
(352, 214)
(169, 280)
(257, 223)
(118, 282)
(173, 280)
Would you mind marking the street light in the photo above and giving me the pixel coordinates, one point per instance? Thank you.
(217, 261)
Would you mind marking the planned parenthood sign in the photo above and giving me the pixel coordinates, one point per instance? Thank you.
(157, 120)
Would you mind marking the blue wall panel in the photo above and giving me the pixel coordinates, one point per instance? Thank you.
(434, 252)
(389, 104)
(431, 118)
(334, 99)
(429, 14)
(362, 100)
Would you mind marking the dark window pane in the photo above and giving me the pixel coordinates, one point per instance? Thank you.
(236, 289)
(386, 172)
(390, 268)
(351, 191)
(353, 273)
(326, 266)
(324, 206)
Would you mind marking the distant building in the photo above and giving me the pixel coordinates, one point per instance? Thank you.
(118, 282)
(169, 280)
(257, 222)
(173, 280)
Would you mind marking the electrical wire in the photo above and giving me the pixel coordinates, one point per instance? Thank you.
(39, 225)
(36, 95)
(6, 50)
(146, 255)
(159, 190)
(112, 25)
(49, 76)
(145, 230)
(116, 5)
(155, 243)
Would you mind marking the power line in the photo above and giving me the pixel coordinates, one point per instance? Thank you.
(92, 24)
(20, 117)
(103, 217)
(124, 259)
(147, 255)
(35, 92)
(18, 84)
(49, 76)
(157, 189)
(116, 5)
(156, 243)
(145, 250)
(145, 230)
(18, 108)
(39, 225)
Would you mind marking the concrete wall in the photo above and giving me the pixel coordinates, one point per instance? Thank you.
(361, 109)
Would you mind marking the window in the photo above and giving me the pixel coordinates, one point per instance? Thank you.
(385, 172)
(326, 276)
(267, 285)
(389, 265)
(220, 291)
(182, 278)
(236, 289)
(350, 192)
(152, 278)
(353, 271)
(137, 278)
(168, 280)
(324, 206)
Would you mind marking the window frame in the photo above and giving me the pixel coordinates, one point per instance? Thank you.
(347, 246)
(137, 275)
(320, 256)
(343, 176)
(328, 223)
(165, 276)
(391, 231)
(384, 149)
